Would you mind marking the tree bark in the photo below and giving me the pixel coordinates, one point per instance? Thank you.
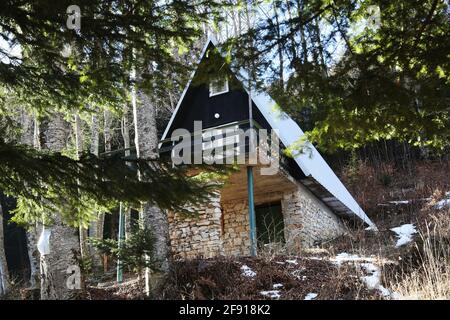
(96, 226)
(126, 145)
(63, 241)
(150, 216)
(30, 137)
(4, 276)
(85, 252)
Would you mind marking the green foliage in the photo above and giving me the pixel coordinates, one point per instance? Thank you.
(50, 183)
(135, 252)
(349, 83)
(114, 36)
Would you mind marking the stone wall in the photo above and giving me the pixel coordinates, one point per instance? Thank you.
(307, 221)
(223, 228)
(199, 235)
(236, 228)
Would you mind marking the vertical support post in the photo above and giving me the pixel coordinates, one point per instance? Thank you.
(251, 211)
(120, 238)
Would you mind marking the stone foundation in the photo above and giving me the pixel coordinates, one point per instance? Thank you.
(236, 227)
(199, 235)
(307, 221)
(223, 228)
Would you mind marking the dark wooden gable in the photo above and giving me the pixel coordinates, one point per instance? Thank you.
(197, 105)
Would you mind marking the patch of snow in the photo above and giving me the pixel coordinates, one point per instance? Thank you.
(443, 203)
(372, 272)
(345, 257)
(277, 285)
(386, 292)
(314, 258)
(297, 273)
(404, 234)
(310, 296)
(370, 228)
(399, 202)
(373, 280)
(292, 261)
(247, 272)
(279, 262)
(273, 294)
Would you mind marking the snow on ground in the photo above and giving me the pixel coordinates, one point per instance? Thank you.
(310, 296)
(294, 262)
(443, 203)
(372, 272)
(298, 273)
(277, 286)
(274, 294)
(315, 258)
(373, 280)
(404, 233)
(399, 202)
(345, 257)
(247, 272)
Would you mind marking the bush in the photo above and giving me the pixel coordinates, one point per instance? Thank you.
(134, 253)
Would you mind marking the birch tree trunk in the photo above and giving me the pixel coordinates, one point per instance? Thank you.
(57, 265)
(146, 141)
(4, 276)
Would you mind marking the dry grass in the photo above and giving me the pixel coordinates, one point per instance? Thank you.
(428, 278)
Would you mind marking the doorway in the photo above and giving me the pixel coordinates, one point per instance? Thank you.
(269, 224)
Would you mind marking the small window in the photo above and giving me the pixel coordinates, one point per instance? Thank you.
(218, 86)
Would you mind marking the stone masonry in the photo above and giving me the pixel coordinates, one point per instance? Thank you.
(307, 220)
(199, 235)
(236, 227)
(223, 228)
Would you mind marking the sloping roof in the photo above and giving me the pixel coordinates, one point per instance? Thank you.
(321, 179)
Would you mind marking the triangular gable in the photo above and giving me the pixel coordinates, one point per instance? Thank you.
(311, 162)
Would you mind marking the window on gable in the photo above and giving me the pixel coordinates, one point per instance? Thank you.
(218, 86)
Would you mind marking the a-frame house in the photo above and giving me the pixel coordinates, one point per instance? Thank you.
(302, 204)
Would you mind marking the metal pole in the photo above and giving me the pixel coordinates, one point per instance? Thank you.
(120, 238)
(251, 211)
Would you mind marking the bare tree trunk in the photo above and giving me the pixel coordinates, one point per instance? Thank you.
(302, 28)
(96, 226)
(152, 217)
(280, 47)
(107, 133)
(30, 136)
(79, 150)
(4, 276)
(127, 145)
(107, 124)
(57, 264)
